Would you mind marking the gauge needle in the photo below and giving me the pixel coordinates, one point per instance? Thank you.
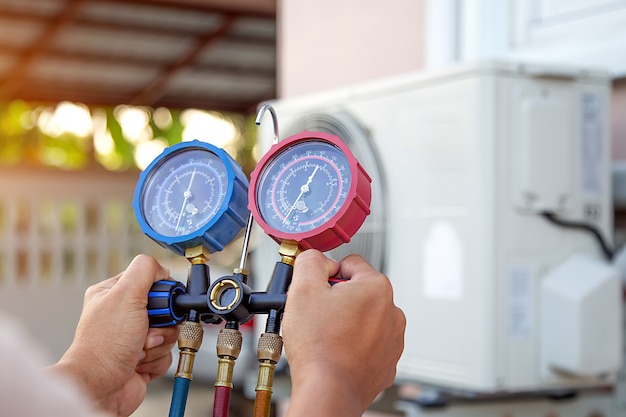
(187, 195)
(303, 189)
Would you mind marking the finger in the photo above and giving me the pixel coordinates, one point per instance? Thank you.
(312, 268)
(155, 368)
(141, 273)
(354, 265)
(153, 340)
(156, 353)
(100, 287)
(109, 282)
(365, 276)
(161, 335)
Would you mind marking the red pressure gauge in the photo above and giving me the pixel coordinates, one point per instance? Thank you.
(310, 188)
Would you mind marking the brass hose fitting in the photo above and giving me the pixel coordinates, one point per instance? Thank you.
(268, 352)
(198, 255)
(189, 341)
(270, 347)
(265, 380)
(228, 348)
(288, 250)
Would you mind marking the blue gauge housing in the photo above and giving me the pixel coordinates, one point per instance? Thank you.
(192, 194)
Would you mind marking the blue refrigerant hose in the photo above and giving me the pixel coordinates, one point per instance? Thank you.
(179, 397)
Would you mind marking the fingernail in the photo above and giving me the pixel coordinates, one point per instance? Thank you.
(154, 340)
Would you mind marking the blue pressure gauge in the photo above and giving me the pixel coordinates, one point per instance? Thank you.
(193, 194)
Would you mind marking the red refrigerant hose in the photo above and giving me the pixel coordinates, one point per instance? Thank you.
(221, 401)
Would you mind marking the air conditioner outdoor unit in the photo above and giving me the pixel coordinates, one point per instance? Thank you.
(465, 163)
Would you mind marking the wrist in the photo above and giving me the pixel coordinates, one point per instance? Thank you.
(323, 390)
(90, 383)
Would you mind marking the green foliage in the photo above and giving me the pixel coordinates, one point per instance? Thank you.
(23, 140)
(123, 149)
(173, 133)
(16, 141)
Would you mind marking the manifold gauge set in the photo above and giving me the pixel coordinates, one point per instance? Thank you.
(307, 191)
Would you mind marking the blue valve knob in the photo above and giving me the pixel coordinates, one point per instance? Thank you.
(161, 310)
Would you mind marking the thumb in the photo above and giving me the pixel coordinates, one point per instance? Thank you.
(354, 267)
(141, 273)
(312, 269)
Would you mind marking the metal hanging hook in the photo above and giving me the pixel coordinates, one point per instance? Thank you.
(246, 243)
(259, 116)
(246, 238)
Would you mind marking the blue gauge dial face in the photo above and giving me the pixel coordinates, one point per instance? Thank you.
(184, 192)
(303, 187)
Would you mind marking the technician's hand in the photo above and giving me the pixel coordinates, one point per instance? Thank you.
(342, 342)
(114, 353)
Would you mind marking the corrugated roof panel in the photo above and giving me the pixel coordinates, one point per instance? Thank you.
(122, 44)
(248, 87)
(241, 54)
(213, 54)
(34, 7)
(150, 16)
(255, 28)
(100, 73)
(19, 34)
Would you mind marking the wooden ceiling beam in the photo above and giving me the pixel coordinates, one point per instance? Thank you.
(151, 92)
(11, 83)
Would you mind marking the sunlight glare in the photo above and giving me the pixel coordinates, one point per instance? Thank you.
(66, 118)
(208, 127)
(103, 144)
(134, 122)
(145, 152)
(162, 118)
(102, 141)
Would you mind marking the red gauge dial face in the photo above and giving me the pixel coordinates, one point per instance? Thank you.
(304, 188)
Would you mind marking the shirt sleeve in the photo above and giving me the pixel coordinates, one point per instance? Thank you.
(26, 388)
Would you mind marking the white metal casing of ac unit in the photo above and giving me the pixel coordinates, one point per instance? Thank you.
(468, 157)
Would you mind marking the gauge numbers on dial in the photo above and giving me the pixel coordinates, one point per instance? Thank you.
(185, 192)
(304, 186)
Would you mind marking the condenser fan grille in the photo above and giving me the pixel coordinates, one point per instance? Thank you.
(369, 241)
